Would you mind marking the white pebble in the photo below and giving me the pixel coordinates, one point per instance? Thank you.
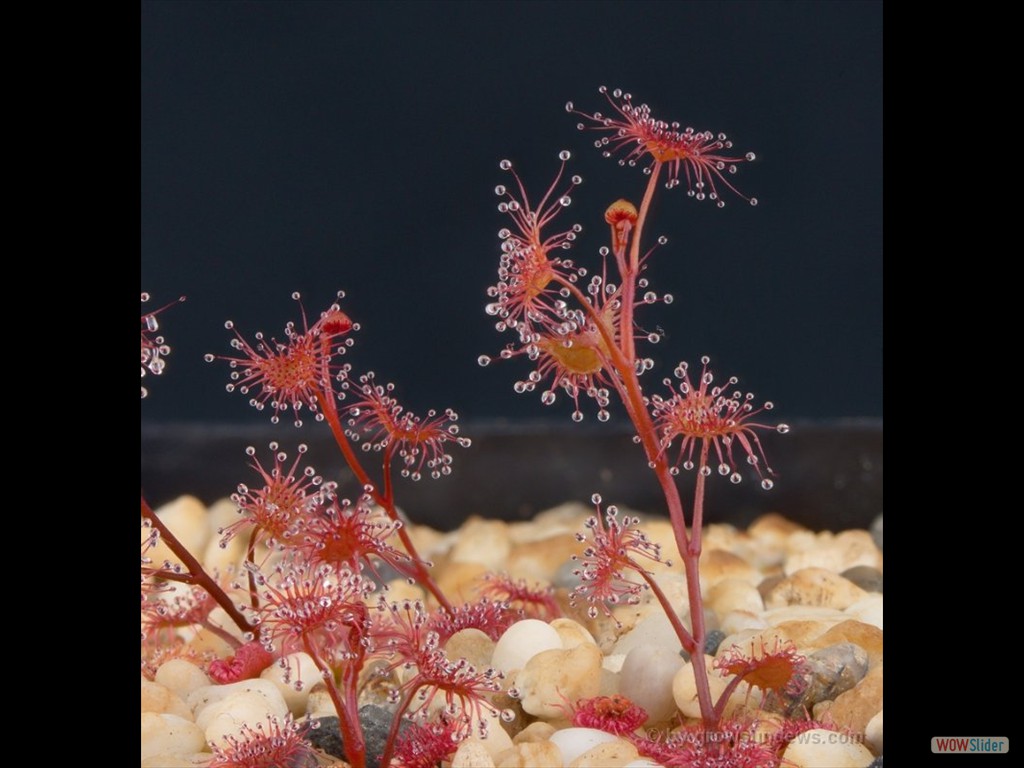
(737, 621)
(482, 541)
(613, 663)
(286, 672)
(572, 632)
(684, 690)
(162, 700)
(734, 595)
(472, 645)
(228, 716)
(868, 610)
(521, 642)
(611, 754)
(526, 754)
(181, 676)
(653, 630)
(187, 520)
(646, 679)
(814, 587)
(169, 735)
(819, 746)
(202, 699)
(553, 677)
(776, 616)
(320, 704)
(472, 753)
(845, 550)
(873, 733)
(193, 760)
(573, 742)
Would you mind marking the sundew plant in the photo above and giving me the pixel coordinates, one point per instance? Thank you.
(319, 568)
(578, 328)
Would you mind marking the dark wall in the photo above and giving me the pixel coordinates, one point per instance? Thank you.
(314, 146)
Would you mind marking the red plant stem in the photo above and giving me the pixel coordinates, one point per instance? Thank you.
(199, 575)
(389, 745)
(645, 205)
(629, 389)
(347, 709)
(698, 502)
(350, 680)
(253, 597)
(383, 497)
(629, 277)
(700, 673)
(628, 386)
(186, 578)
(330, 412)
(623, 360)
(417, 562)
(691, 561)
(724, 698)
(689, 550)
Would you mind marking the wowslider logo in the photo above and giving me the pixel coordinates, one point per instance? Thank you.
(974, 744)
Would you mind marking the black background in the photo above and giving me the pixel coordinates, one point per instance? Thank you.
(317, 146)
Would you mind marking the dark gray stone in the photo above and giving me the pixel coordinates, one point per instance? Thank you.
(864, 576)
(876, 534)
(376, 722)
(327, 736)
(832, 671)
(565, 577)
(712, 641)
